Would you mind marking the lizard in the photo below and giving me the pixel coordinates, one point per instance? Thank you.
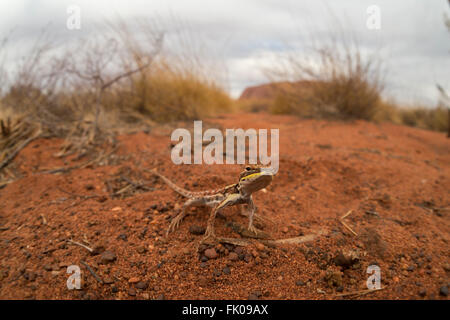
(252, 179)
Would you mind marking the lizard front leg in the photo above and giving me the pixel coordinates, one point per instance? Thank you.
(252, 209)
(177, 220)
(230, 200)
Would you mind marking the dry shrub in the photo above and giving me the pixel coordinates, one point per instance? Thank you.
(342, 82)
(88, 90)
(166, 94)
(425, 118)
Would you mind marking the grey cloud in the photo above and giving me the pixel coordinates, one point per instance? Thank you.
(240, 32)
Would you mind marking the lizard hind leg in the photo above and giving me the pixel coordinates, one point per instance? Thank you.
(230, 200)
(174, 224)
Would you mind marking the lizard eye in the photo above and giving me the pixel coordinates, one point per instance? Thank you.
(248, 168)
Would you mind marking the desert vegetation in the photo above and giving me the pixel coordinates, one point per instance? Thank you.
(86, 91)
(335, 80)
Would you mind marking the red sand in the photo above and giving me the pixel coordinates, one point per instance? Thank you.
(395, 179)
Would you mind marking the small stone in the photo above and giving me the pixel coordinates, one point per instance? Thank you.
(226, 270)
(300, 283)
(114, 289)
(333, 278)
(142, 285)
(108, 257)
(446, 267)
(197, 230)
(141, 249)
(410, 268)
(133, 280)
(239, 250)
(146, 296)
(233, 256)
(340, 289)
(48, 267)
(252, 296)
(247, 257)
(443, 291)
(108, 280)
(204, 259)
(30, 275)
(211, 253)
(285, 229)
(161, 297)
(280, 278)
(132, 292)
(346, 259)
(97, 250)
(422, 293)
(123, 237)
(260, 246)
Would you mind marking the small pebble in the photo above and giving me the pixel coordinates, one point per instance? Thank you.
(252, 296)
(233, 256)
(133, 280)
(108, 257)
(108, 280)
(260, 246)
(132, 292)
(141, 285)
(211, 253)
(141, 249)
(226, 270)
(197, 230)
(443, 291)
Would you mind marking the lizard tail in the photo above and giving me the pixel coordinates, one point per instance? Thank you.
(182, 191)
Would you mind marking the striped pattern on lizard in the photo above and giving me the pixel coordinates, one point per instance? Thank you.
(252, 179)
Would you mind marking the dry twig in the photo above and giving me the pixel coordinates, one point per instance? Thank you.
(346, 225)
(81, 245)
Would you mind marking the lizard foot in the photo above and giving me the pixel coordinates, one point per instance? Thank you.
(209, 238)
(252, 229)
(175, 223)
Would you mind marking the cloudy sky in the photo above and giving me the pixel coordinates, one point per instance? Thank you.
(246, 35)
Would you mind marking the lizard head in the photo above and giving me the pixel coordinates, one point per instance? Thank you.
(254, 178)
